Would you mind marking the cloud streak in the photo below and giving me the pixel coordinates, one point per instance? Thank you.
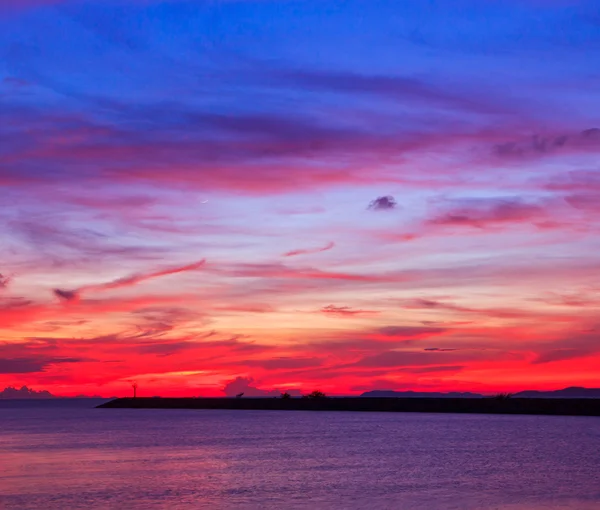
(4, 281)
(346, 311)
(309, 251)
(128, 281)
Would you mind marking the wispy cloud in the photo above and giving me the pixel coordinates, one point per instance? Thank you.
(488, 213)
(4, 281)
(31, 364)
(128, 281)
(346, 311)
(541, 145)
(309, 251)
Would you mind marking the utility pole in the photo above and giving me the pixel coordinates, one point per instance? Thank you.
(134, 386)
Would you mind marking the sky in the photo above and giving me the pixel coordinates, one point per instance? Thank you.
(218, 196)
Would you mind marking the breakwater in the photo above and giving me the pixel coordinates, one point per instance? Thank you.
(549, 406)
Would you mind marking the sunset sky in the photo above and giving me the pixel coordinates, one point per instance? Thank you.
(300, 195)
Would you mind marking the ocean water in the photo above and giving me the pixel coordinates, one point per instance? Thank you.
(68, 455)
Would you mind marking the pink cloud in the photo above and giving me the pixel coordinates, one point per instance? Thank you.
(282, 271)
(489, 212)
(309, 251)
(4, 281)
(346, 311)
(128, 281)
(499, 313)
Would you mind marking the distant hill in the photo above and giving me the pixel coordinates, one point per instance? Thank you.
(573, 392)
(420, 394)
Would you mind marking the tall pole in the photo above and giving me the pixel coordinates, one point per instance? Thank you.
(134, 386)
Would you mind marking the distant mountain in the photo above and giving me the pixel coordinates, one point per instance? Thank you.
(24, 392)
(573, 392)
(419, 394)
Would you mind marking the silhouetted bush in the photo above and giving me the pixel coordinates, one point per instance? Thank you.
(502, 396)
(286, 395)
(315, 394)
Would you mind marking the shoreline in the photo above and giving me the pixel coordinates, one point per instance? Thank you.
(531, 406)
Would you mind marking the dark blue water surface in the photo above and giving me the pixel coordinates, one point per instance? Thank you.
(68, 455)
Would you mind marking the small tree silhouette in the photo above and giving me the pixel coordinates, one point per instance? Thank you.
(134, 386)
(316, 394)
(502, 396)
(286, 395)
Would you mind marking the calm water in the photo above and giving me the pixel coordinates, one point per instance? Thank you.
(71, 457)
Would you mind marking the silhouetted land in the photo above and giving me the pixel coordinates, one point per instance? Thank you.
(555, 406)
(572, 392)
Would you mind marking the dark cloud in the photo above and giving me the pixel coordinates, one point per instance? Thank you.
(161, 319)
(433, 369)
(383, 203)
(394, 87)
(577, 345)
(400, 359)
(561, 355)
(285, 363)
(4, 281)
(166, 348)
(152, 341)
(481, 213)
(501, 313)
(247, 146)
(409, 331)
(585, 201)
(33, 364)
(584, 181)
(345, 311)
(49, 237)
(67, 295)
(421, 358)
(547, 144)
(351, 344)
(371, 340)
(23, 392)
(245, 308)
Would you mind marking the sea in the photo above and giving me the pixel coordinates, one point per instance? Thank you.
(67, 455)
